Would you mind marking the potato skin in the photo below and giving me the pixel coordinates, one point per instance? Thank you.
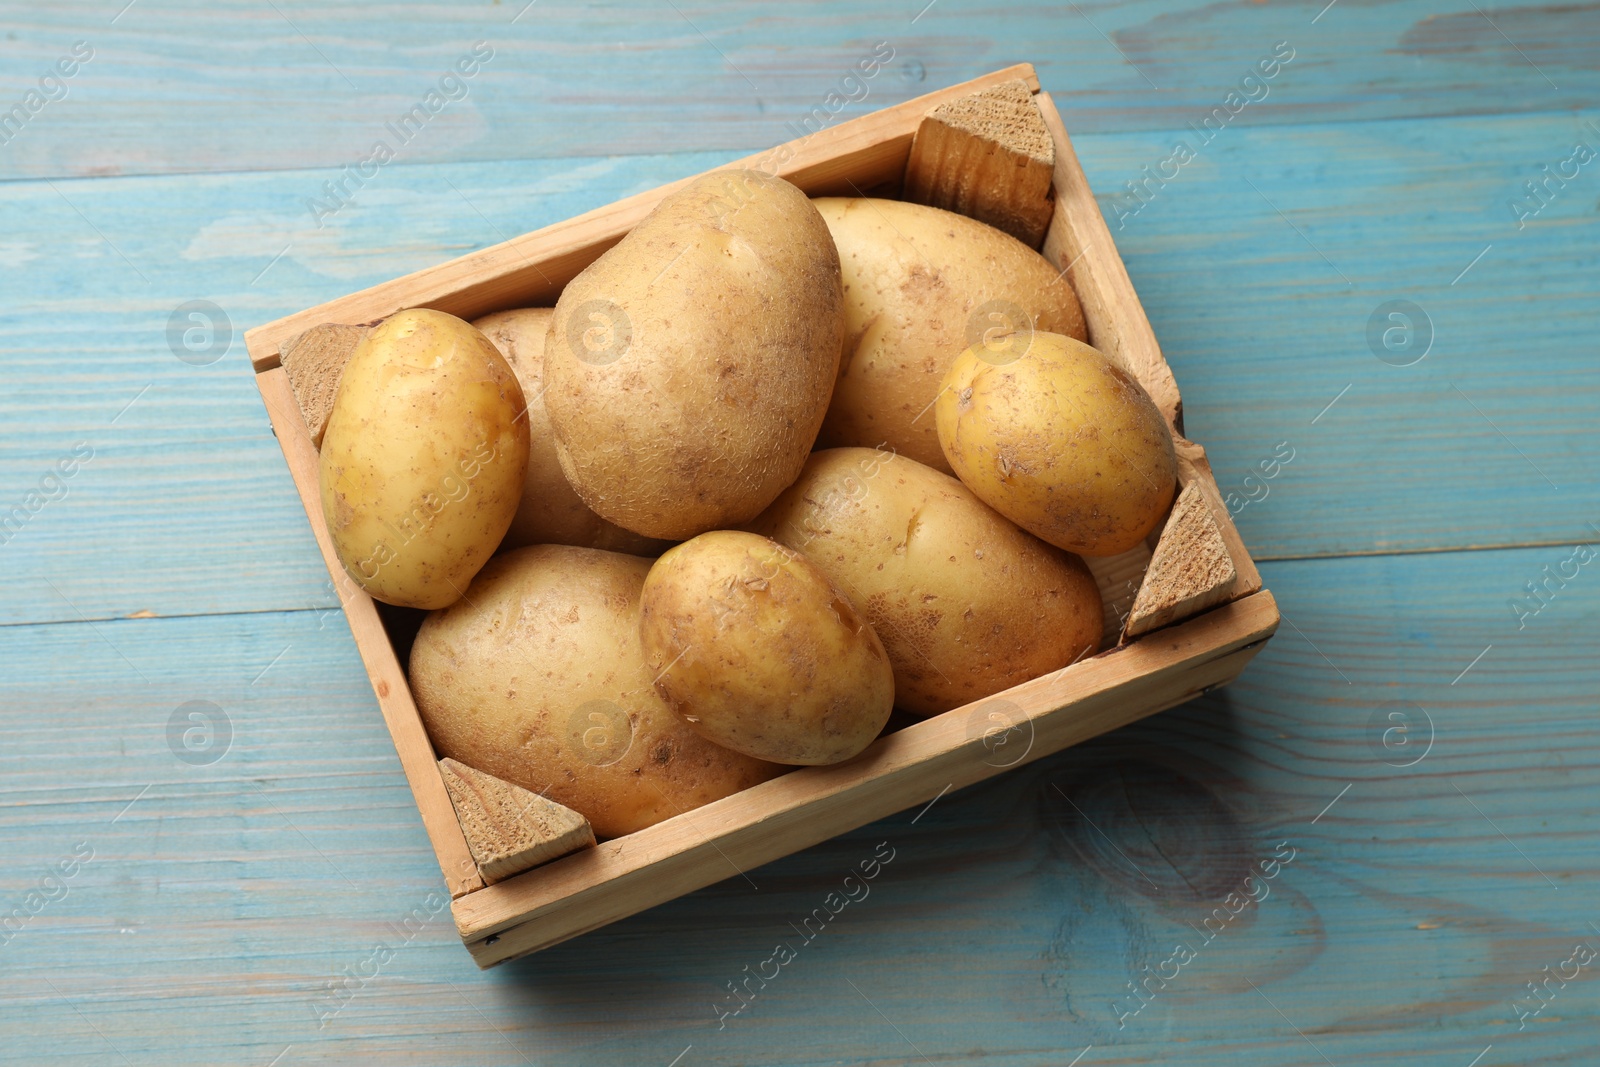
(551, 512)
(423, 458)
(1061, 441)
(920, 285)
(536, 677)
(759, 652)
(966, 604)
(689, 367)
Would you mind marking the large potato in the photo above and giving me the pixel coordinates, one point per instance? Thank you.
(550, 513)
(920, 285)
(689, 367)
(536, 677)
(966, 604)
(1061, 441)
(758, 651)
(423, 458)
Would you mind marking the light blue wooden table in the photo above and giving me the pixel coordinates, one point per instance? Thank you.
(1415, 756)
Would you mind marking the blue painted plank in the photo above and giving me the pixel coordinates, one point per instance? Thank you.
(220, 902)
(188, 86)
(188, 494)
(1271, 266)
(177, 500)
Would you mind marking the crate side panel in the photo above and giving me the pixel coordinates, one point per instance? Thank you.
(1079, 242)
(377, 653)
(901, 769)
(960, 761)
(531, 270)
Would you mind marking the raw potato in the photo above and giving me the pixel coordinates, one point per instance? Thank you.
(966, 604)
(536, 677)
(689, 367)
(1061, 441)
(550, 513)
(423, 458)
(920, 285)
(758, 651)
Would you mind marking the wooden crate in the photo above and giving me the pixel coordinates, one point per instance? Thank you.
(909, 767)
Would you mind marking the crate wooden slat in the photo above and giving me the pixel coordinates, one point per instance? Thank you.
(377, 653)
(582, 891)
(589, 889)
(530, 271)
(1080, 242)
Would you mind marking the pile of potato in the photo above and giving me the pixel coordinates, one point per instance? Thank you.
(646, 589)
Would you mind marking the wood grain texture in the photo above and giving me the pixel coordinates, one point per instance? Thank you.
(508, 828)
(210, 923)
(184, 86)
(987, 156)
(1190, 570)
(314, 363)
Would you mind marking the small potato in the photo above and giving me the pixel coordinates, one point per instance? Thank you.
(536, 677)
(551, 512)
(689, 367)
(423, 458)
(1059, 440)
(920, 285)
(966, 603)
(757, 651)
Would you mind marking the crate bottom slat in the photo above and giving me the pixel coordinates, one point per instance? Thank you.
(623, 877)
